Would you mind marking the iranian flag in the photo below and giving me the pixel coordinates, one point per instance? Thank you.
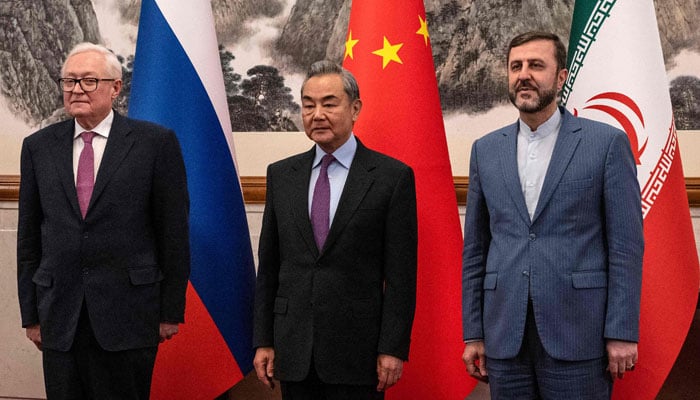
(617, 76)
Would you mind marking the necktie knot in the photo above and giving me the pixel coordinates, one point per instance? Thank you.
(87, 136)
(326, 161)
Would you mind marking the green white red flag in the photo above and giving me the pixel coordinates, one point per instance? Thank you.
(388, 50)
(617, 76)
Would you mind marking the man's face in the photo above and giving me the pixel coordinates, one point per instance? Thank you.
(533, 76)
(91, 106)
(327, 111)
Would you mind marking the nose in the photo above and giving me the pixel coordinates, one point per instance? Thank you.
(524, 73)
(78, 87)
(318, 113)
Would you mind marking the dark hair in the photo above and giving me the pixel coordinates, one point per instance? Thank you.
(326, 67)
(559, 48)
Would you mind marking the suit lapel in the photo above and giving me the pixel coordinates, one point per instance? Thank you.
(118, 145)
(509, 166)
(564, 148)
(299, 197)
(62, 152)
(356, 186)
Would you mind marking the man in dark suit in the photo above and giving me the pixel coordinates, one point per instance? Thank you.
(335, 292)
(103, 243)
(553, 243)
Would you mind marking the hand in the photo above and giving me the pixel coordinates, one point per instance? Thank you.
(264, 363)
(167, 331)
(474, 357)
(34, 334)
(622, 356)
(389, 370)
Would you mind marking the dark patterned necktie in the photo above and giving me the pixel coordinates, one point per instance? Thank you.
(85, 181)
(320, 203)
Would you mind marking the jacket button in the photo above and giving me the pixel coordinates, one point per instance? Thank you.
(533, 237)
(526, 273)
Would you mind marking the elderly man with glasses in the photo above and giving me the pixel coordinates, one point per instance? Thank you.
(103, 242)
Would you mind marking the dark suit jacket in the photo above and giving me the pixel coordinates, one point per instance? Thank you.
(579, 258)
(128, 260)
(353, 299)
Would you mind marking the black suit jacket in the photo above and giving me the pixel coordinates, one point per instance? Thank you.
(353, 299)
(128, 260)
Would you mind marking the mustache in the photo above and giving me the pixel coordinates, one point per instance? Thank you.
(526, 84)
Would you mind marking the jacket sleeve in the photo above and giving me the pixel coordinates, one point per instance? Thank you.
(400, 268)
(28, 238)
(170, 208)
(477, 237)
(625, 241)
(267, 280)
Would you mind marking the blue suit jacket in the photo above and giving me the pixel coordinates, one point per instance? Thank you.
(579, 258)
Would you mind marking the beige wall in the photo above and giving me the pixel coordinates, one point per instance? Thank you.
(20, 361)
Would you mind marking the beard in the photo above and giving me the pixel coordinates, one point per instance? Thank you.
(543, 99)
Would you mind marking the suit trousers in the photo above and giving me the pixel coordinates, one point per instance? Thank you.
(312, 388)
(87, 371)
(534, 375)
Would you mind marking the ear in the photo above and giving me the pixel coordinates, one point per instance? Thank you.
(561, 78)
(116, 88)
(356, 108)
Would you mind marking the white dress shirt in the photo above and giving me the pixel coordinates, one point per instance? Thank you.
(534, 154)
(99, 142)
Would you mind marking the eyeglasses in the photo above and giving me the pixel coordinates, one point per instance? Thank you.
(87, 84)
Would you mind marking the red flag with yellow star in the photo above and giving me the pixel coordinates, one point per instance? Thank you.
(388, 51)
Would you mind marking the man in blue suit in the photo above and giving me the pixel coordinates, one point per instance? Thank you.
(553, 243)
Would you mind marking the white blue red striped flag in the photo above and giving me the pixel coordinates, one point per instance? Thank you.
(178, 82)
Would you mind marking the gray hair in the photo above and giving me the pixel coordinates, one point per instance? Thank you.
(114, 67)
(326, 67)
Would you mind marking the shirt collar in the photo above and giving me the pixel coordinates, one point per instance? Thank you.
(101, 129)
(547, 128)
(343, 154)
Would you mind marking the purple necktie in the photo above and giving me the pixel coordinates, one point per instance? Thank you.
(321, 203)
(85, 180)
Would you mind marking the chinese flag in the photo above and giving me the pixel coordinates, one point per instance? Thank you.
(388, 50)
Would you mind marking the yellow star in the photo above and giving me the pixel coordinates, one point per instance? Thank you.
(423, 30)
(349, 44)
(389, 53)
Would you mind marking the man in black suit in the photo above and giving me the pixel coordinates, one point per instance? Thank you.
(335, 292)
(103, 243)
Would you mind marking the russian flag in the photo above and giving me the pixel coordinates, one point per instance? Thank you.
(177, 82)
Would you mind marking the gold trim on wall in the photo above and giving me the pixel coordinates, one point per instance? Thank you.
(254, 189)
(9, 187)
